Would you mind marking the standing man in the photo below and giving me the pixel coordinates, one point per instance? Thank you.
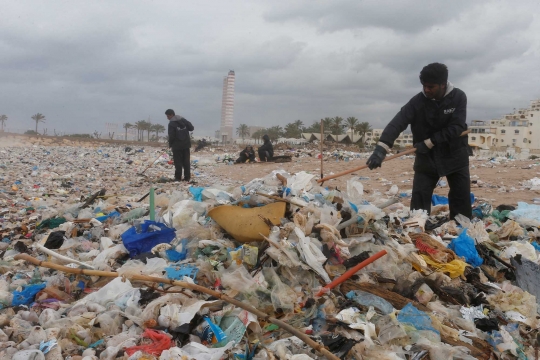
(437, 116)
(180, 143)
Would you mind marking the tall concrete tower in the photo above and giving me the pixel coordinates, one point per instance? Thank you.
(227, 108)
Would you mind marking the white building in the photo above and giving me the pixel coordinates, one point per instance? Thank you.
(521, 129)
(227, 108)
(403, 140)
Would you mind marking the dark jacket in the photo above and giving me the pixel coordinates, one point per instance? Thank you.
(267, 146)
(179, 127)
(441, 121)
(246, 155)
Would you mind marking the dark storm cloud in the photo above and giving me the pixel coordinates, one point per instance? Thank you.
(84, 64)
(409, 16)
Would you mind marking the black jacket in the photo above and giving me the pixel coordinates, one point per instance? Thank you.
(247, 155)
(267, 146)
(178, 128)
(441, 121)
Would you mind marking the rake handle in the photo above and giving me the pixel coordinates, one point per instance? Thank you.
(406, 152)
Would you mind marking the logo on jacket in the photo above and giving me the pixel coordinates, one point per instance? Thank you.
(449, 111)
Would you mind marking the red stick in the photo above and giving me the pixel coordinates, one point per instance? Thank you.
(351, 272)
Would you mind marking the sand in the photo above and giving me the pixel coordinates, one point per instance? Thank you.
(497, 183)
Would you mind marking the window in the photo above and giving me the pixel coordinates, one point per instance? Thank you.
(473, 138)
(514, 141)
(525, 140)
(530, 132)
(516, 132)
(503, 131)
(502, 140)
(531, 115)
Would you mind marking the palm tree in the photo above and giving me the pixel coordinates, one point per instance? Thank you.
(362, 129)
(38, 118)
(327, 123)
(242, 131)
(257, 135)
(299, 124)
(351, 124)
(158, 128)
(275, 132)
(337, 125)
(127, 126)
(148, 128)
(3, 119)
(140, 126)
(314, 128)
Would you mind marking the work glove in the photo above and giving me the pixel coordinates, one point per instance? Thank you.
(376, 159)
(421, 148)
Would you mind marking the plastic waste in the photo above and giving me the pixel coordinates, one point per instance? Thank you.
(463, 246)
(367, 299)
(416, 320)
(142, 239)
(160, 342)
(26, 296)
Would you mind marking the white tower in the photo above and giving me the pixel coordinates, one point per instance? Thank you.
(227, 108)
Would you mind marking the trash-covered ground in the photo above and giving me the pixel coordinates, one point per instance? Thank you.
(258, 261)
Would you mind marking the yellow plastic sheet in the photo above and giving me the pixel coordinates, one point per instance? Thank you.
(454, 268)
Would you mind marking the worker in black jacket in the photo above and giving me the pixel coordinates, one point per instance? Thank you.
(437, 116)
(247, 154)
(180, 143)
(266, 151)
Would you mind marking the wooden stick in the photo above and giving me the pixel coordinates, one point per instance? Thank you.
(60, 256)
(406, 152)
(306, 339)
(277, 198)
(148, 167)
(351, 272)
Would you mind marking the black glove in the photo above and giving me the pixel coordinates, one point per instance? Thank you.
(376, 159)
(421, 148)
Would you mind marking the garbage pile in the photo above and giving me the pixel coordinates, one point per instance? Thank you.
(278, 268)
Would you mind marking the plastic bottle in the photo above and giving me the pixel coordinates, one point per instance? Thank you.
(133, 214)
(367, 299)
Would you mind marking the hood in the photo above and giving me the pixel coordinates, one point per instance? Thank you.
(449, 88)
(266, 138)
(176, 118)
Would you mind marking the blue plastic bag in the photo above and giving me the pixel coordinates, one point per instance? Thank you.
(110, 215)
(196, 192)
(138, 243)
(463, 246)
(438, 200)
(443, 200)
(176, 256)
(26, 296)
(419, 319)
(368, 299)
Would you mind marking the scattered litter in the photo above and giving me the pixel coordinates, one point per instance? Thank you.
(98, 264)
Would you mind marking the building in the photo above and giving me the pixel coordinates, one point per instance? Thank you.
(520, 129)
(227, 108)
(403, 140)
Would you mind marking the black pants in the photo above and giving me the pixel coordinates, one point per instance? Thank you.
(264, 155)
(181, 161)
(459, 197)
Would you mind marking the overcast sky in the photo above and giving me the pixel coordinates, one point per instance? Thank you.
(86, 63)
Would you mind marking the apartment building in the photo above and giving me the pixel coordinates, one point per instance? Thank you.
(403, 140)
(520, 129)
